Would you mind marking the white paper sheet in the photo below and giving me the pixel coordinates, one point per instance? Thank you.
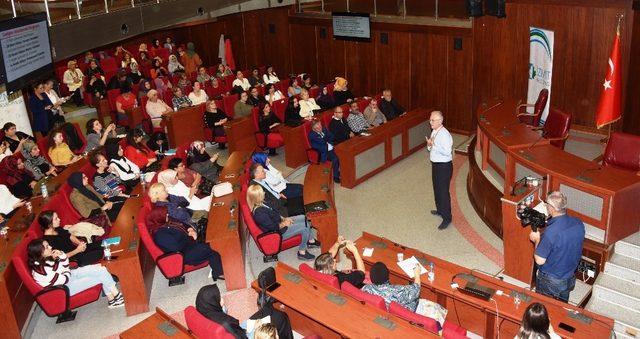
(407, 266)
(367, 252)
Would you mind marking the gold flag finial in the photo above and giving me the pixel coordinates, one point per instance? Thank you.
(620, 16)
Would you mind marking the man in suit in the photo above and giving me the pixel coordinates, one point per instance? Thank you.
(389, 106)
(339, 127)
(322, 141)
(271, 197)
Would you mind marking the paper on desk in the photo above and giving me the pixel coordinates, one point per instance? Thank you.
(367, 252)
(251, 323)
(541, 208)
(407, 266)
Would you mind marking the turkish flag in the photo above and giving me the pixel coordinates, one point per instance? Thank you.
(609, 107)
(228, 53)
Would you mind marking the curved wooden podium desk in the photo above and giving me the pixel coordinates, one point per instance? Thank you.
(504, 151)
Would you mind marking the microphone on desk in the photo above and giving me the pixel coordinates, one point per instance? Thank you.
(544, 133)
(581, 176)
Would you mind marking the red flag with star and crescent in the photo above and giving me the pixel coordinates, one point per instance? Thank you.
(609, 107)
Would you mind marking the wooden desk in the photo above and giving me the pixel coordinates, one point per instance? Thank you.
(311, 312)
(318, 186)
(158, 325)
(224, 233)
(133, 264)
(135, 117)
(240, 135)
(474, 314)
(15, 299)
(103, 110)
(295, 153)
(362, 157)
(185, 125)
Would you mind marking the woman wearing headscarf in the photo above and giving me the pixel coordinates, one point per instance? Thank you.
(209, 303)
(341, 94)
(174, 65)
(126, 170)
(173, 235)
(88, 202)
(200, 161)
(156, 108)
(143, 88)
(274, 178)
(169, 178)
(161, 82)
(35, 163)
(138, 152)
(190, 59)
(16, 177)
(135, 75)
(325, 100)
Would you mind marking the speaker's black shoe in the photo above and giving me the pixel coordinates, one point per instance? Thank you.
(444, 224)
(434, 212)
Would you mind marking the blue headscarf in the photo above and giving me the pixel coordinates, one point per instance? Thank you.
(260, 158)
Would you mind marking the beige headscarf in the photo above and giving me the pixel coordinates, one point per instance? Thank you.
(341, 84)
(167, 177)
(151, 92)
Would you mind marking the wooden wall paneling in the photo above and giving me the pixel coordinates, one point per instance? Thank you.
(459, 91)
(360, 73)
(331, 56)
(254, 44)
(276, 49)
(429, 71)
(393, 65)
(233, 30)
(303, 51)
(632, 111)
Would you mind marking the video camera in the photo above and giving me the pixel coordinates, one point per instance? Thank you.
(529, 216)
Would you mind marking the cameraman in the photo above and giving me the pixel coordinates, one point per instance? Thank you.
(559, 250)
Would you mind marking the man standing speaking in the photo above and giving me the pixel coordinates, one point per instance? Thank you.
(440, 145)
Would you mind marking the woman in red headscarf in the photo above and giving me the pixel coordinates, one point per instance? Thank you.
(14, 175)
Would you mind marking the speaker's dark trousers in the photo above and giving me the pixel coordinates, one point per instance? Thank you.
(441, 173)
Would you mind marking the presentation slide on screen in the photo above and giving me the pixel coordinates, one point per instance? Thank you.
(25, 49)
(351, 26)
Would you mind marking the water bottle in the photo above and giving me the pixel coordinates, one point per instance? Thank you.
(107, 251)
(175, 107)
(43, 189)
(432, 272)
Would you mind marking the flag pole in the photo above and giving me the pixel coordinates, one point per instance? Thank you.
(606, 139)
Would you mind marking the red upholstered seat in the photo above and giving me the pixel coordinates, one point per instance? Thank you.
(171, 264)
(330, 88)
(270, 140)
(269, 243)
(63, 206)
(329, 280)
(363, 103)
(312, 155)
(623, 151)
(538, 107)
(556, 127)
(43, 145)
(279, 107)
(76, 126)
(449, 330)
(227, 104)
(282, 86)
(204, 328)
(54, 300)
(358, 294)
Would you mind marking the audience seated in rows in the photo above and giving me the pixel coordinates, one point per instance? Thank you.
(134, 73)
(242, 108)
(223, 71)
(81, 251)
(202, 163)
(14, 138)
(255, 99)
(372, 113)
(407, 296)
(198, 95)
(96, 136)
(270, 220)
(268, 124)
(89, 203)
(50, 267)
(272, 94)
(255, 79)
(389, 106)
(217, 90)
(322, 141)
(341, 93)
(109, 184)
(275, 179)
(156, 108)
(270, 76)
(339, 127)
(16, 177)
(325, 100)
(240, 84)
(284, 205)
(180, 100)
(162, 83)
(139, 153)
(143, 88)
(119, 165)
(327, 264)
(169, 178)
(174, 66)
(292, 115)
(126, 101)
(356, 119)
(59, 151)
(214, 119)
(172, 231)
(308, 106)
(35, 162)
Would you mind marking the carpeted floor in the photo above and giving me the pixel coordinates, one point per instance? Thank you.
(402, 197)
